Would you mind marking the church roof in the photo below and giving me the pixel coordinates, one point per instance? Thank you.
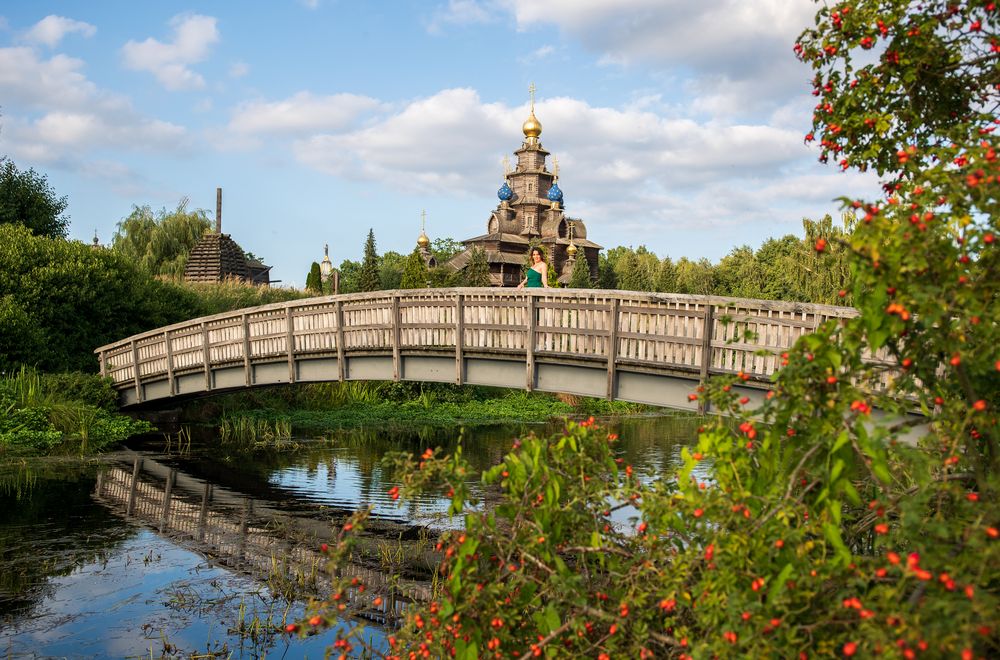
(498, 236)
(461, 260)
(214, 258)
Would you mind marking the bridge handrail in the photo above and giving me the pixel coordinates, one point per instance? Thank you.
(683, 334)
(829, 311)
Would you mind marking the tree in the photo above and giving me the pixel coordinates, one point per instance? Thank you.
(390, 270)
(26, 199)
(666, 276)
(579, 277)
(61, 299)
(350, 276)
(738, 274)
(696, 277)
(607, 279)
(444, 249)
(415, 273)
(314, 280)
(161, 242)
(369, 279)
(477, 271)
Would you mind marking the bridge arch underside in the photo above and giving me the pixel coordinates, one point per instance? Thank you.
(651, 348)
(668, 388)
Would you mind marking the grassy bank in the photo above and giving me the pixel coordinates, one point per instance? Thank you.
(309, 409)
(68, 413)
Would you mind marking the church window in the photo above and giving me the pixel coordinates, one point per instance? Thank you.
(530, 186)
(562, 229)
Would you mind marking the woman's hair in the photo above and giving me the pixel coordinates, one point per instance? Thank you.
(539, 250)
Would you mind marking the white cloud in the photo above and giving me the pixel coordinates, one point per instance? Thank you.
(463, 12)
(736, 54)
(25, 79)
(625, 170)
(239, 69)
(537, 55)
(192, 39)
(51, 29)
(302, 112)
(54, 114)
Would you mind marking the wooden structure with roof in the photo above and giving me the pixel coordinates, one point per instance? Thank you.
(216, 257)
(530, 212)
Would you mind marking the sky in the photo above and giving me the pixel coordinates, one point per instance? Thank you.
(678, 125)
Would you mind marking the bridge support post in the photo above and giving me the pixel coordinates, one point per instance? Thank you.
(247, 373)
(395, 339)
(459, 339)
(612, 347)
(529, 344)
(341, 366)
(136, 467)
(290, 343)
(135, 373)
(171, 385)
(203, 512)
(706, 354)
(102, 358)
(168, 488)
(206, 354)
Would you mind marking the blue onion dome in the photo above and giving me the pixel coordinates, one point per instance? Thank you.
(555, 195)
(505, 193)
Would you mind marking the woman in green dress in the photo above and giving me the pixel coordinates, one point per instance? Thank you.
(538, 274)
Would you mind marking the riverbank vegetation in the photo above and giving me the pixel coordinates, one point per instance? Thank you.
(832, 521)
(69, 413)
(273, 415)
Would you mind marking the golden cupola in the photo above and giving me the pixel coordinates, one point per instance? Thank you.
(532, 127)
(422, 241)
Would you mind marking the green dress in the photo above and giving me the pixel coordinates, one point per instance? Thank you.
(534, 278)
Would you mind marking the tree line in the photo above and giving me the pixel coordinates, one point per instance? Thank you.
(786, 268)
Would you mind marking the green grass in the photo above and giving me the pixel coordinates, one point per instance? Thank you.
(60, 414)
(359, 405)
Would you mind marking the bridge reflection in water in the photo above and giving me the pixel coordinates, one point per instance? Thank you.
(643, 347)
(250, 535)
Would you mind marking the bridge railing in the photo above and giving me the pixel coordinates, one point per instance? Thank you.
(687, 335)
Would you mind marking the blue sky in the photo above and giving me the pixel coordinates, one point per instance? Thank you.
(678, 125)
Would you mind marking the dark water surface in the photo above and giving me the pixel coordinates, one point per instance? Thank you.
(154, 553)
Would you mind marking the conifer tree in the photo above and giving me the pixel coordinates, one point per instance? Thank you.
(314, 280)
(580, 276)
(370, 280)
(415, 273)
(477, 272)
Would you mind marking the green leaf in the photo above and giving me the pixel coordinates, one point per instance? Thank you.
(779, 583)
(832, 534)
(552, 619)
(842, 440)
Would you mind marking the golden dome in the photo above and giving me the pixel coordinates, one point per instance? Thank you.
(571, 250)
(423, 241)
(532, 127)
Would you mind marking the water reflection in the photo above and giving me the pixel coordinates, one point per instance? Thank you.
(155, 556)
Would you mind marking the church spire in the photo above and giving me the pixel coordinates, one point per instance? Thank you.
(532, 127)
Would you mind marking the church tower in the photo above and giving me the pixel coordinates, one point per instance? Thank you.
(530, 212)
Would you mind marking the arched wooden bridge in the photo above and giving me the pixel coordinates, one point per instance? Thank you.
(642, 347)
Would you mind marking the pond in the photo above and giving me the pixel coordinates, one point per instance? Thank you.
(155, 552)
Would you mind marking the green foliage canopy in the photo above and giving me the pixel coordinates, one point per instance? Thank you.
(26, 199)
(160, 242)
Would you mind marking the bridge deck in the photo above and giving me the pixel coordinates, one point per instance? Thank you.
(633, 346)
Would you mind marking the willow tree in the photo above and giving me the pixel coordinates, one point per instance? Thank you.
(160, 242)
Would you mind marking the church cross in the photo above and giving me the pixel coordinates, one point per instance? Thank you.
(423, 220)
(531, 93)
